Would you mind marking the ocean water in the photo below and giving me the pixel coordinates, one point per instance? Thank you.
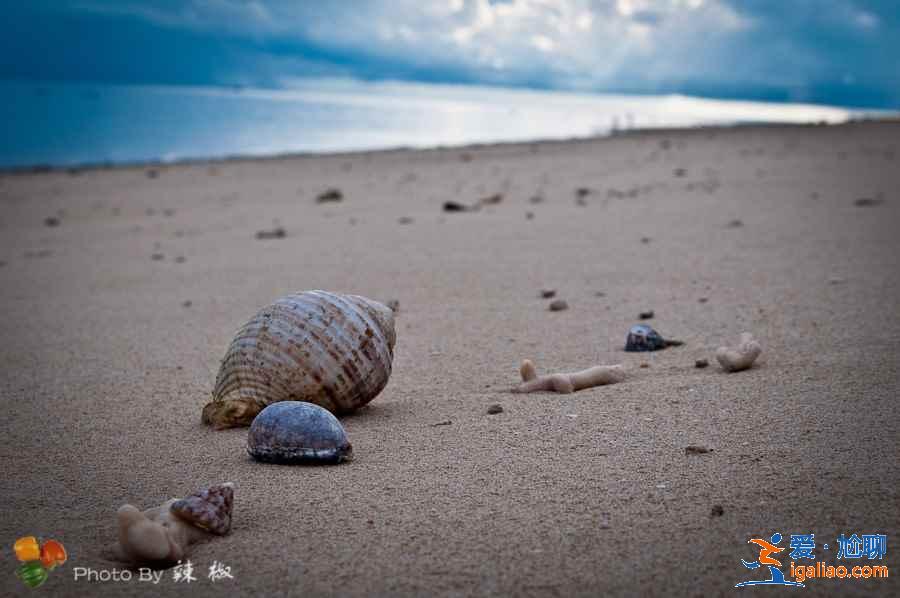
(64, 124)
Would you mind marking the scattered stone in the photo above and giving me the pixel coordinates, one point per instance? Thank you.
(680, 172)
(599, 294)
(157, 257)
(644, 338)
(716, 511)
(867, 202)
(646, 315)
(330, 195)
(537, 198)
(405, 220)
(836, 280)
(51, 221)
(443, 423)
(394, 304)
(702, 299)
(187, 303)
(529, 215)
(696, 449)
(645, 240)
(735, 223)
(275, 233)
(495, 409)
(180, 259)
(548, 293)
(645, 365)
(152, 173)
(168, 212)
(558, 305)
(491, 200)
(583, 192)
(740, 357)
(701, 363)
(455, 206)
(814, 195)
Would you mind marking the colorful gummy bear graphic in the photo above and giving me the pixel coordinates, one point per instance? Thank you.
(37, 559)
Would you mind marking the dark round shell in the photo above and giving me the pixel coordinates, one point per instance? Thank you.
(643, 338)
(297, 432)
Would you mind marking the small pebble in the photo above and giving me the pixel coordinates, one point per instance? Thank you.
(405, 220)
(696, 449)
(455, 206)
(701, 363)
(495, 409)
(548, 293)
(491, 200)
(180, 259)
(329, 195)
(536, 198)
(275, 233)
(51, 221)
(645, 240)
(716, 511)
(645, 365)
(646, 315)
(187, 303)
(558, 305)
(599, 294)
(157, 257)
(582, 192)
(735, 223)
(868, 202)
(529, 215)
(680, 172)
(168, 212)
(702, 299)
(152, 173)
(443, 423)
(836, 280)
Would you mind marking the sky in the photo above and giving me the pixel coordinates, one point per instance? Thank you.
(838, 52)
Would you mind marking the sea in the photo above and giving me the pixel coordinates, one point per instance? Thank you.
(72, 124)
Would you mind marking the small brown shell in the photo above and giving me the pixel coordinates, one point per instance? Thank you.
(208, 509)
(329, 349)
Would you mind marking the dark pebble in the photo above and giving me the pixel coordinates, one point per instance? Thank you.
(51, 221)
(582, 192)
(529, 215)
(645, 240)
(735, 224)
(646, 315)
(495, 409)
(558, 305)
(680, 172)
(187, 303)
(548, 293)
(701, 363)
(536, 199)
(329, 195)
(157, 257)
(716, 511)
(645, 365)
(405, 220)
(275, 233)
(867, 202)
(455, 206)
(696, 449)
(443, 423)
(152, 173)
(180, 259)
(702, 299)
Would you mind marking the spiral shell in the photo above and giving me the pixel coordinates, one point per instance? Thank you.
(329, 349)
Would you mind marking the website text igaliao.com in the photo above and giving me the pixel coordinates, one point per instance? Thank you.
(820, 570)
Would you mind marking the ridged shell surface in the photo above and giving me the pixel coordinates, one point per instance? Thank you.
(296, 432)
(330, 349)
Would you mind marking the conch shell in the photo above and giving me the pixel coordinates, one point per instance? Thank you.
(163, 534)
(329, 349)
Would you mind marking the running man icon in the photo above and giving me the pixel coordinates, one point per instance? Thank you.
(765, 549)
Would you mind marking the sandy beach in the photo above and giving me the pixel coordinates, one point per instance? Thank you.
(122, 287)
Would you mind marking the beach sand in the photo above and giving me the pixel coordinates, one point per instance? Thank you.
(108, 355)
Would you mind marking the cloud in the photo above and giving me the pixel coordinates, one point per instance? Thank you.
(770, 49)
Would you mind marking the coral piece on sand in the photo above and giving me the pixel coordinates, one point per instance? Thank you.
(568, 382)
(162, 536)
(741, 357)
